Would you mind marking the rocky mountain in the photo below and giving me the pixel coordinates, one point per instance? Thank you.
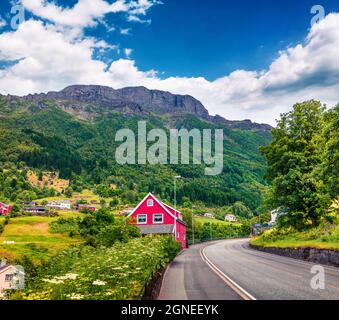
(47, 132)
(135, 100)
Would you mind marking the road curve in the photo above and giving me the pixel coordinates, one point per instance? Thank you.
(204, 272)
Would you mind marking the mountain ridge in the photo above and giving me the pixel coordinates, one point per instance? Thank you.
(136, 100)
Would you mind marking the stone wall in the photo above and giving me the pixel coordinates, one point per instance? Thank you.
(153, 288)
(321, 256)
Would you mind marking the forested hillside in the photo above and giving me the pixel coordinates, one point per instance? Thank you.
(77, 139)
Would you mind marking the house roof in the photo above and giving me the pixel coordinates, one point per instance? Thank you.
(59, 202)
(157, 229)
(5, 267)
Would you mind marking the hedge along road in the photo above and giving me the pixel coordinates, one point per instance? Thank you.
(231, 270)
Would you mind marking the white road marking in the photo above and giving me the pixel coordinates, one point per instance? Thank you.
(232, 284)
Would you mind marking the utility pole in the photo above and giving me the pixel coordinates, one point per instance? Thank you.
(175, 203)
(193, 225)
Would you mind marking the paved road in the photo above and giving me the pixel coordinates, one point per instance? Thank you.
(242, 273)
(190, 278)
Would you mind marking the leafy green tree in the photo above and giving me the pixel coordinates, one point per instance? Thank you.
(294, 157)
(69, 192)
(330, 168)
(114, 202)
(240, 210)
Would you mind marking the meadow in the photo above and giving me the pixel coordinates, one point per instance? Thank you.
(31, 236)
(203, 220)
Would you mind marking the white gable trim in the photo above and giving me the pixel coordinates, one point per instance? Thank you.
(6, 269)
(158, 201)
(165, 204)
(137, 207)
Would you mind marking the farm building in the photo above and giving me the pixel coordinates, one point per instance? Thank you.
(5, 209)
(29, 204)
(59, 205)
(155, 217)
(209, 215)
(230, 218)
(80, 207)
(35, 210)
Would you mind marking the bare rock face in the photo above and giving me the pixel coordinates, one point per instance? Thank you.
(163, 102)
(243, 125)
(135, 99)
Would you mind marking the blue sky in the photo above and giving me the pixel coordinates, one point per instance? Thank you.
(241, 58)
(213, 38)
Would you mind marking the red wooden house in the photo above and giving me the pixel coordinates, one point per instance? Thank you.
(155, 217)
(5, 209)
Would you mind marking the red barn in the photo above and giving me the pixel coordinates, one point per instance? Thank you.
(155, 217)
(5, 209)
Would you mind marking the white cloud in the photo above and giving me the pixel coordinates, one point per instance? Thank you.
(125, 31)
(139, 8)
(3, 23)
(48, 57)
(84, 13)
(128, 52)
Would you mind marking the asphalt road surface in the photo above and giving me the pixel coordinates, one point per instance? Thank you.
(230, 270)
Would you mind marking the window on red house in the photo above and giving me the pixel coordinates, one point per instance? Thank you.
(158, 218)
(142, 219)
(150, 203)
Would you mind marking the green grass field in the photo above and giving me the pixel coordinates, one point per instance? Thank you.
(32, 237)
(322, 237)
(87, 195)
(203, 220)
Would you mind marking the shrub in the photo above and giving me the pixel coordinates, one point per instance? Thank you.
(116, 273)
(63, 225)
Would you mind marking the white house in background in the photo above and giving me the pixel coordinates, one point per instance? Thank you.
(230, 218)
(11, 278)
(209, 215)
(275, 214)
(59, 205)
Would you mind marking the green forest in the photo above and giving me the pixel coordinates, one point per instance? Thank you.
(83, 151)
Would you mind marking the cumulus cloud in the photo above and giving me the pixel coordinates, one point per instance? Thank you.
(45, 57)
(3, 23)
(86, 12)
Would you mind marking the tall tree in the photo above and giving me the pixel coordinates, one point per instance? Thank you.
(294, 158)
(330, 168)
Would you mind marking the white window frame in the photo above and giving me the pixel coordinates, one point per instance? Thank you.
(9, 277)
(150, 201)
(158, 214)
(142, 214)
